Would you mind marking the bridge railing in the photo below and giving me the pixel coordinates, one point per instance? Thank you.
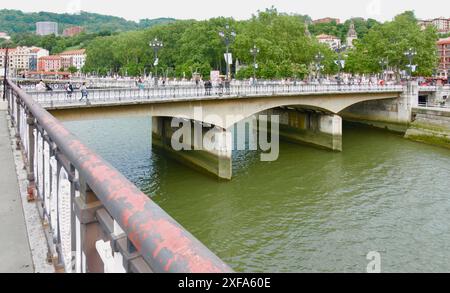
(54, 98)
(433, 88)
(97, 220)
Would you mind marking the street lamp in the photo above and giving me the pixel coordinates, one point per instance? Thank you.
(384, 63)
(228, 36)
(156, 45)
(340, 62)
(319, 58)
(410, 54)
(254, 51)
(7, 44)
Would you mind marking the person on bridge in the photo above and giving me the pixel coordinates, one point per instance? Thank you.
(84, 92)
(69, 89)
(40, 86)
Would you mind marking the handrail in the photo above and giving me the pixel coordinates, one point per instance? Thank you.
(160, 240)
(169, 93)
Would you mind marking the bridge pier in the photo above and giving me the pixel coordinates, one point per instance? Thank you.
(391, 114)
(310, 127)
(196, 145)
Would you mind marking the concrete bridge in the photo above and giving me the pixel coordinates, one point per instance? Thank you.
(310, 114)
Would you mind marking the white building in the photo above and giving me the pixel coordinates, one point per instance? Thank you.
(332, 41)
(44, 28)
(76, 58)
(442, 24)
(22, 59)
(4, 36)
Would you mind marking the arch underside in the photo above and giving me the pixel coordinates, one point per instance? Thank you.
(229, 112)
(221, 112)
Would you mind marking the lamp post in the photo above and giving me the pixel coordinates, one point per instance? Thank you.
(340, 62)
(7, 43)
(228, 36)
(319, 58)
(384, 63)
(410, 54)
(156, 45)
(254, 51)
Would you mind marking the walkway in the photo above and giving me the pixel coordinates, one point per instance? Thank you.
(15, 255)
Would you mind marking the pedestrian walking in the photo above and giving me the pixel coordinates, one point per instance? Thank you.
(69, 89)
(84, 92)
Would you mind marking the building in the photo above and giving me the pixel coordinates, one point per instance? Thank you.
(35, 54)
(73, 31)
(45, 28)
(4, 36)
(351, 35)
(442, 24)
(332, 41)
(443, 48)
(76, 58)
(50, 63)
(3, 57)
(327, 20)
(22, 59)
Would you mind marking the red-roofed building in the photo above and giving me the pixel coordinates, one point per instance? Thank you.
(76, 58)
(50, 63)
(73, 31)
(22, 59)
(332, 41)
(444, 57)
(327, 20)
(442, 24)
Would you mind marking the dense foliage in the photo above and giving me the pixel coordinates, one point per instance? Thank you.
(195, 46)
(391, 40)
(362, 27)
(16, 21)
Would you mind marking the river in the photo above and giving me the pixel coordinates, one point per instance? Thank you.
(309, 211)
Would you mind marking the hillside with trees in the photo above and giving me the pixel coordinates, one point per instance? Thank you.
(16, 21)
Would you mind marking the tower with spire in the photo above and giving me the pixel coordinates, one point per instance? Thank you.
(307, 32)
(351, 35)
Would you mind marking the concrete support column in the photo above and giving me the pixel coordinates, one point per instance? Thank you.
(310, 127)
(207, 149)
(392, 114)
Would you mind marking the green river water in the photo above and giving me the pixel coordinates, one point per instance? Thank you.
(309, 211)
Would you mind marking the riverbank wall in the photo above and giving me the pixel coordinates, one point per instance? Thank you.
(431, 126)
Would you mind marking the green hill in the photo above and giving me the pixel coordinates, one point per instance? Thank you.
(16, 21)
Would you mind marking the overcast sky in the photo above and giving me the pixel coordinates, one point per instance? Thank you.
(239, 9)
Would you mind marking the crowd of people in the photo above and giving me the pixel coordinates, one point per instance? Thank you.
(69, 89)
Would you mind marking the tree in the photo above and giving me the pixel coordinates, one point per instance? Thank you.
(391, 40)
(72, 69)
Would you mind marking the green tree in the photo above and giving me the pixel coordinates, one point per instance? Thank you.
(391, 40)
(72, 69)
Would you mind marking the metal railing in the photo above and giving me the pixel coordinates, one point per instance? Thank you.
(433, 88)
(54, 98)
(97, 220)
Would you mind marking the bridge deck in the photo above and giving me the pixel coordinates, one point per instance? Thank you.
(15, 254)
